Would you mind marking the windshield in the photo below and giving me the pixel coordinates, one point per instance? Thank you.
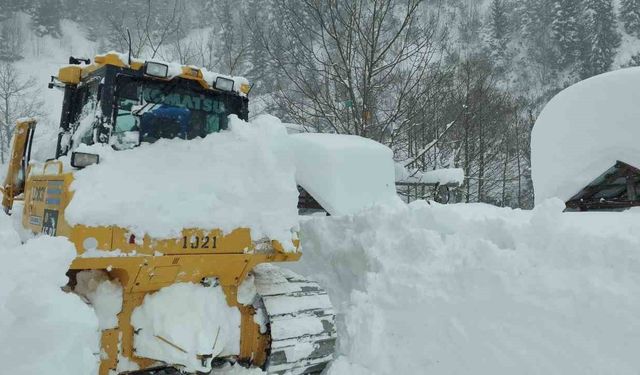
(150, 110)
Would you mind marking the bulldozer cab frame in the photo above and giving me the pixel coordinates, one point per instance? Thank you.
(101, 108)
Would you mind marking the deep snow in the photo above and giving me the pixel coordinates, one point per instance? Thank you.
(475, 289)
(43, 330)
(418, 289)
(241, 178)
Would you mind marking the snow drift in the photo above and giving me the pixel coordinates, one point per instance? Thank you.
(583, 131)
(474, 289)
(43, 330)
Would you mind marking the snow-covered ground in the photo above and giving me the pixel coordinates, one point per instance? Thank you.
(419, 289)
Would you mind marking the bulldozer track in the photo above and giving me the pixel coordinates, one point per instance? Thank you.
(301, 321)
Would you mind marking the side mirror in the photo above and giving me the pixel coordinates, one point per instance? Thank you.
(82, 159)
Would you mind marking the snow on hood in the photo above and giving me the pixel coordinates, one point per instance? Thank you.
(583, 131)
(245, 177)
(240, 178)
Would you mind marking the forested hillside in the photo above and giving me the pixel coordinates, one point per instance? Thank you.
(444, 83)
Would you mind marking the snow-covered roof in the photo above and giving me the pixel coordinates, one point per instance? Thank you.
(344, 173)
(583, 131)
(444, 176)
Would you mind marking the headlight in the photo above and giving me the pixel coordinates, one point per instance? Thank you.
(83, 159)
(156, 69)
(224, 84)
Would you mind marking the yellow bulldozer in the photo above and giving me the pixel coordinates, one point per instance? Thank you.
(115, 87)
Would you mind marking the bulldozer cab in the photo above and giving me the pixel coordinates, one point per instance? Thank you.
(124, 105)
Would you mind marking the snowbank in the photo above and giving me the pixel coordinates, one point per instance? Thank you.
(583, 131)
(344, 173)
(243, 177)
(43, 330)
(474, 289)
(182, 321)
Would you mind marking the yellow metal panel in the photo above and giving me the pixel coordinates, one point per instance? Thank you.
(194, 74)
(109, 349)
(154, 278)
(70, 75)
(12, 186)
(110, 59)
(253, 344)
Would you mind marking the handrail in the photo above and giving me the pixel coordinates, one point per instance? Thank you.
(52, 162)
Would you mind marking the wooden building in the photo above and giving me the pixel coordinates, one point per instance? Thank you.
(616, 189)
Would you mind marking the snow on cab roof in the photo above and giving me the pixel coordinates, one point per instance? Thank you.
(585, 130)
(241, 85)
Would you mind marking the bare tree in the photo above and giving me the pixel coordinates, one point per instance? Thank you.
(16, 101)
(150, 26)
(354, 65)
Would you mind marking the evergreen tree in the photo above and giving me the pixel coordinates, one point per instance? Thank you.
(10, 46)
(46, 17)
(601, 39)
(498, 29)
(633, 61)
(565, 30)
(630, 16)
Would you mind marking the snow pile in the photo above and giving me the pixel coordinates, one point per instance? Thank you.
(344, 173)
(43, 330)
(583, 131)
(185, 320)
(243, 177)
(474, 289)
(446, 176)
(104, 295)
